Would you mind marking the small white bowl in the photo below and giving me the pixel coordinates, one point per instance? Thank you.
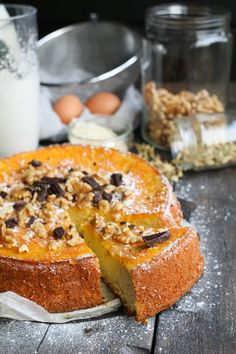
(122, 129)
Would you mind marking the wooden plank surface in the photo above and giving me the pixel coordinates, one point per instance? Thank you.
(204, 321)
(114, 333)
(21, 337)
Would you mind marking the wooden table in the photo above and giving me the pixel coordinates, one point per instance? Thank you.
(204, 321)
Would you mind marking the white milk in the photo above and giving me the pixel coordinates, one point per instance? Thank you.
(19, 113)
(8, 33)
(19, 95)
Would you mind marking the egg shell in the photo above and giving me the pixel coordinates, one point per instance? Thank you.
(68, 107)
(103, 103)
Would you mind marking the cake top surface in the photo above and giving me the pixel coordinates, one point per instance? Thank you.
(136, 245)
(41, 191)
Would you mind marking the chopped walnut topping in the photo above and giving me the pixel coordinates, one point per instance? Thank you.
(100, 179)
(117, 217)
(117, 206)
(109, 188)
(74, 185)
(74, 241)
(55, 244)
(104, 206)
(170, 169)
(37, 198)
(39, 229)
(98, 222)
(10, 240)
(123, 231)
(23, 217)
(111, 229)
(85, 200)
(6, 210)
(128, 193)
(28, 236)
(23, 248)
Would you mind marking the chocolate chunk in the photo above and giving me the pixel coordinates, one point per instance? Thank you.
(52, 180)
(58, 232)
(3, 194)
(38, 185)
(92, 182)
(154, 239)
(42, 193)
(56, 189)
(11, 223)
(19, 205)
(35, 163)
(131, 226)
(122, 222)
(74, 198)
(106, 196)
(48, 185)
(97, 197)
(116, 179)
(121, 196)
(134, 150)
(30, 221)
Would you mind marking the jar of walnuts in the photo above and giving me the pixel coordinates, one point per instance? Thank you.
(204, 141)
(185, 67)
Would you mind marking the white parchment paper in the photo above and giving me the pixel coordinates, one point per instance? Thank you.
(19, 308)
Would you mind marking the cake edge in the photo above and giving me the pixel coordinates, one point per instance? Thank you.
(164, 280)
(58, 286)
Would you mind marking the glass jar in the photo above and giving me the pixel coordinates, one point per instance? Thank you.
(204, 141)
(186, 64)
(19, 79)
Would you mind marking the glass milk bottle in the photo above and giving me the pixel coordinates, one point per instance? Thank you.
(19, 80)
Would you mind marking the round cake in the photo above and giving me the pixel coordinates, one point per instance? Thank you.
(71, 214)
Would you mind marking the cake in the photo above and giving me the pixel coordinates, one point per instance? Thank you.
(70, 215)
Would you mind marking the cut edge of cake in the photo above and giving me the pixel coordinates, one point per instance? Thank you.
(155, 284)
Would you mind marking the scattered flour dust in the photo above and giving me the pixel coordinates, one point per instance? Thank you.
(205, 294)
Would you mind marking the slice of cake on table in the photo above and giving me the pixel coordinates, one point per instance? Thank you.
(68, 211)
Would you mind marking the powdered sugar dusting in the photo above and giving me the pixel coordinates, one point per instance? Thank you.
(207, 313)
(208, 218)
(169, 251)
(201, 295)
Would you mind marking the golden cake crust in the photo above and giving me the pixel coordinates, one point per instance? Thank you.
(57, 286)
(162, 281)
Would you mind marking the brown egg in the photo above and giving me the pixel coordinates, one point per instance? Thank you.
(103, 103)
(68, 107)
